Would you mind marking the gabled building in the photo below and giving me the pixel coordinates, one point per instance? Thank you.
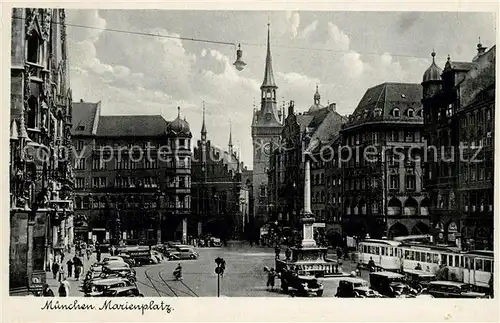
(458, 112)
(303, 133)
(220, 198)
(132, 177)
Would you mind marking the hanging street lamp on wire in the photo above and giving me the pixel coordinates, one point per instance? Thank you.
(239, 63)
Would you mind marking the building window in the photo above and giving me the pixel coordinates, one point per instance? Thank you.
(80, 164)
(449, 110)
(394, 182)
(394, 136)
(79, 182)
(409, 136)
(410, 182)
(473, 173)
(79, 145)
(375, 137)
(182, 143)
(32, 112)
(86, 202)
(151, 163)
(481, 172)
(34, 48)
(395, 112)
(410, 113)
(377, 112)
(98, 164)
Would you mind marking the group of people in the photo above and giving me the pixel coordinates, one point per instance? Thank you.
(74, 268)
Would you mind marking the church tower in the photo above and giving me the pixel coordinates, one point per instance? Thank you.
(266, 128)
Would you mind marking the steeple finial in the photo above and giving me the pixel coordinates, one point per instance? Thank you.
(179, 112)
(203, 127)
(230, 134)
(268, 73)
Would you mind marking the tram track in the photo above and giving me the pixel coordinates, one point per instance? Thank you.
(172, 291)
(152, 283)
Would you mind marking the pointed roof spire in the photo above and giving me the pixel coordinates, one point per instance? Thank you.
(203, 127)
(268, 73)
(230, 134)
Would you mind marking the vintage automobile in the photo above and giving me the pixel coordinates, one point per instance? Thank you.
(127, 291)
(214, 242)
(97, 287)
(450, 289)
(300, 285)
(418, 279)
(183, 253)
(355, 287)
(390, 284)
(156, 257)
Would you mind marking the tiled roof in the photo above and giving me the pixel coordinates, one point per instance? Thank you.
(329, 127)
(387, 96)
(134, 125)
(459, 66)
(85, 118)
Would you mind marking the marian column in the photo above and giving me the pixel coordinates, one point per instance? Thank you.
(307, 219)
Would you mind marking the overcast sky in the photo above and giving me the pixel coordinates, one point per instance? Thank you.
(133, 74)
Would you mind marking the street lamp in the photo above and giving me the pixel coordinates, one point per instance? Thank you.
(239, 63)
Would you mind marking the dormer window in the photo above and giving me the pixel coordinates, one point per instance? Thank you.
(377, 112)
(33, 48)
(396, 112)
(410, 113)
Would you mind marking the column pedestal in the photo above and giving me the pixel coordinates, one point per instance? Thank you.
(184, 230)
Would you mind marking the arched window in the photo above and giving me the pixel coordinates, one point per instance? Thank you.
(377, 112)
(410, 113)
(396, 112)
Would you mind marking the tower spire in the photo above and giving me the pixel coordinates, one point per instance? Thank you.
(203, 127)
(268, 73)
(230, 144)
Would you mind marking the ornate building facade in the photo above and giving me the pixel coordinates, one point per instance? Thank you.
(266, 128)
(220, 198)
(41, 178)
(132, 177)
(382, 185)
(458, 111)
(303, 133)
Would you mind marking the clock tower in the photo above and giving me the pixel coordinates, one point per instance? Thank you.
(266, 128)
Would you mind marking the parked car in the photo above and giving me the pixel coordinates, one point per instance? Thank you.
(183, 253)
(390, 284)
(418, 279)
(214, 242)
(450, 289)
(156, 257)
(300, 285)
(127, 291)
(97, 287)
(355, 287)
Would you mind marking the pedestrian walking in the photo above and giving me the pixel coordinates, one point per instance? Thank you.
(69, 263)
(47, 292)
(61, 275)
(89, 253)
(55, 269)
(288, 253)
(77, 262)
(64, 288)
(98, 255)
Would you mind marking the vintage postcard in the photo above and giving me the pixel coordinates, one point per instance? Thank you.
(262, 162)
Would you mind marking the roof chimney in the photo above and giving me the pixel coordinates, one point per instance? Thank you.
(81, 100)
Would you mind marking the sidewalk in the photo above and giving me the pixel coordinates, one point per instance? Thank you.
(75, 285)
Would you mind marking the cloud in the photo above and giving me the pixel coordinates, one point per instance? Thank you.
(293, 19)
(309, 29)
(338, 38)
